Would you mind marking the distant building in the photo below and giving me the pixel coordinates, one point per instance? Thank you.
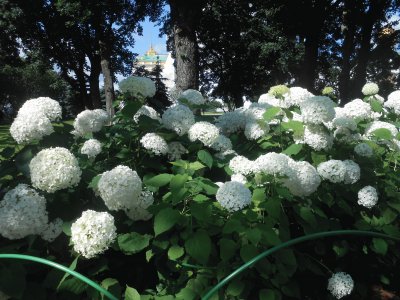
(150, 59)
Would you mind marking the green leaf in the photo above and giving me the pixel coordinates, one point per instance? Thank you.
(131, 243)
(270, 113)
(227, 249)
(296, 126)
(382, 133)
(95, 181)
(379, 246)
(175, 252)
(247, 252)
(205, 157)
(232, 225)
(165, 220)
(317, 158)
(266, 295)
(130, 109)
(201, 211)
(66, 275)
(200, 198)
(73, 285)
(253, 235)
(376, 105)
(131, 294)
(159, 180)
(22, 160)
(196, 166)
(178, 182)
(198, 246)
(293, 149)
(235, 288)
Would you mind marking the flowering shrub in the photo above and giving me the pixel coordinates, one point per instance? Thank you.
(171, 204)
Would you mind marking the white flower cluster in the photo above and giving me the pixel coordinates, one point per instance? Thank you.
(33, 121)
(337, 171)
(120, 188)
(296, 96)
(93, 233)
(367, 197)
(363, 149)
(254, 131)
(138, 86)
(302, 178)
(89, 121)
(154, 143)
(370, 89)
(52, 230)
(146, 111)
(54, 169)
(233, 196)
(271, 100)
(178, 118)
(139, 210)
(192, 97)
(176, 150)
(356, 109)
(205, 132)
(340, 284)
(231, 122)
(91, 148)
(271, 163)
(393, 102)
(318, 137)
(380, 124)
(239, 178)
(22, 213)
(317, 110)
(241, 165)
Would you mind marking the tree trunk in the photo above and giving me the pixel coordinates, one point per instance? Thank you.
(184, 15)
(347, 50)
(108, 78)
(95, 70)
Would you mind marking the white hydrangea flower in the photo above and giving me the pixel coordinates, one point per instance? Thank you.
(272, 163)
(239, 178)
(138, 86)
(30, 127)
(393, 102)
(255, 111)
(91, 148)
(317, 137)
(340, 284)
(364, 149)
(380, 124)
(89, 121)
(53, 230)
(231, 122)
(303, 179)
(22, 213)
(178, 118)
(253, 130)
(233, 196)
(346, 122)
(370, 89)
(93, 233)
(42, 106)
(193, 97)
(296, 96)
(176, 150)
(154, 143)
(54, 169)
(146, 111)
(271, 100)
(332, 170)
(317, 110)
(120, 188)
(241, 165)
(367, 197)
(353, 172)
(205, 132)
(222, 143)
(379, 98)
(139, 210)
(345, 135)
(357, 109)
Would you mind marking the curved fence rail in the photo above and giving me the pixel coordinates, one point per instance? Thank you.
(289, 243)
(62, 268)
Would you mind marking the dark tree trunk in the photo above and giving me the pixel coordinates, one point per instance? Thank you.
(347, 50)
(184, 15)
(108, 78)
(95, 70)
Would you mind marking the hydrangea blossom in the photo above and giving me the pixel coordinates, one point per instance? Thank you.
(138, 87)
(364, 149)
(205, 132)
(176, 150)
(28, 128)
(272, 163)
(89, 121)
(340, 284)
(380, 124)
(52, 230)
(271, 100)
(54, 169)
(357, 109)
(317, 110)
(233, 196)
(193, 97)
(296, 96)
(22, 213)
(139, 210)
(93, 233)
(41, 106)
(332, 170)
(154, 143)
(120, 188)
(231, 122)
(221, 143)
(91, 148)
(146, 111)
(278, 90)
(345, 135)
(239, 178)
(317, 137)
(178, 118)
(303, 178)
(255, 111)
(353, 172)
(367, 197)
(253, 130)
(241, 165)
(393, 102)
(370, 89)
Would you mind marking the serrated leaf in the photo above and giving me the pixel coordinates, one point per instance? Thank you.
(293, 149)
(382, 133)
(270, 113)
(131, 243)
(376, 105)
(165, 220)
(198, 246)
(205, 157)
(159, 180)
